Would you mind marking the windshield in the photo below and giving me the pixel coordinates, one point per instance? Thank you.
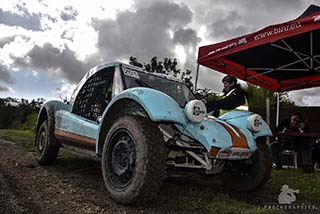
(177, 90)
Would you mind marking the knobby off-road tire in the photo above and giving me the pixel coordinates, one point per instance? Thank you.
(252, 176)
(46, 148)
(133, 160)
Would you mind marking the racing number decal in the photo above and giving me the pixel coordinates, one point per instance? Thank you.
(131, 73)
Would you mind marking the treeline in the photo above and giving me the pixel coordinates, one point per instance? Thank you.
(168, 67)
(19, 113)
(256, 96)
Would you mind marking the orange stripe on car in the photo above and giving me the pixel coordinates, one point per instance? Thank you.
(60, 133)
(239, 140)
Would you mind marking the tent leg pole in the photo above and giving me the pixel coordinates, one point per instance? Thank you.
(278, 109)
(197, 76)
(268, 116)
(311, 50)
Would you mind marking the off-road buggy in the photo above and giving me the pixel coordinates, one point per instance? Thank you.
(141, 124)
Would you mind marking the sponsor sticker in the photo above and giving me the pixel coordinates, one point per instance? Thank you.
(231, 45)
(197, 110)
(316, 18)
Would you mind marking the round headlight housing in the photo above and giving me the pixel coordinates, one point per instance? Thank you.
(255, 122)
(195, 111)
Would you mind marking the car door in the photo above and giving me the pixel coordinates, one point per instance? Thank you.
(80, 126)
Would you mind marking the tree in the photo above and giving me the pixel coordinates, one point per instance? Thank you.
(134, 61)
(168, 67)
(14, 112)
(257, 96)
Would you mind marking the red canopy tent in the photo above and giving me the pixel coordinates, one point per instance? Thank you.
(280, 57)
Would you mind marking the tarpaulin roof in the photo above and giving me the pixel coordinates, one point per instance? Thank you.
(280, 57)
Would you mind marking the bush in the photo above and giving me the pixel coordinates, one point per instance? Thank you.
(30, 123)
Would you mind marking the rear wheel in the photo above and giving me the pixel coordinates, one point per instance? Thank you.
(46, 148)
(133, 160)
(251, 174)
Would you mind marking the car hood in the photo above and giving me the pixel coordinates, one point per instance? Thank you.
(215, 132)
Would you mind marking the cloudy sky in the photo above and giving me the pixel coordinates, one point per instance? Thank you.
(47, 46)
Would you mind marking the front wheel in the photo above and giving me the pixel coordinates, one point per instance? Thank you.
(249, 175)
(133, 160)
(46, 147)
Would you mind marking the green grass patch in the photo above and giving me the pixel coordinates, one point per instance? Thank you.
(206, 197)
(30, 123)
(308, 184)
(203, 194)
(226, 203)
(23, 137)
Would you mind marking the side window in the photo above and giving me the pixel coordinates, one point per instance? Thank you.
(94, 95)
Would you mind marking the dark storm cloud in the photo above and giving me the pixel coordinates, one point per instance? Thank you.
(186, 37)
(272, 5)
(26, 20)
(271, 12)
(69, 13)
(227, 26)
(3, 88)
(5, 75)
(47, 59)
(143, 33)
(228, 18)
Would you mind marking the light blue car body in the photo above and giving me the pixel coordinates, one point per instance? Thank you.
(160, 108)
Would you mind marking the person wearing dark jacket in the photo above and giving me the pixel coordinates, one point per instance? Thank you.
(296, 143)
(234, 97)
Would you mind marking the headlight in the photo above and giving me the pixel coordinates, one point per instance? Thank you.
(255, 122)
(195, 111)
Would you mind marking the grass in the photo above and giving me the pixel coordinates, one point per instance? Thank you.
(206, 197)
(25, 138)
(213, 201)
(30, 123)
(307, 184)
(22, 137)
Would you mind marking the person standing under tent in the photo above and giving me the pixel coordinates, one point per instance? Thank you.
(234, 97)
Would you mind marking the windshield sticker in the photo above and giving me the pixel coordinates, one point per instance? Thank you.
(131, 73)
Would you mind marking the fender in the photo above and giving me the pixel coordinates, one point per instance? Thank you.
(164, 109)
(48, 110)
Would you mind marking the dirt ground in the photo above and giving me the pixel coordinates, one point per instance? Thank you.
(74, 185)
